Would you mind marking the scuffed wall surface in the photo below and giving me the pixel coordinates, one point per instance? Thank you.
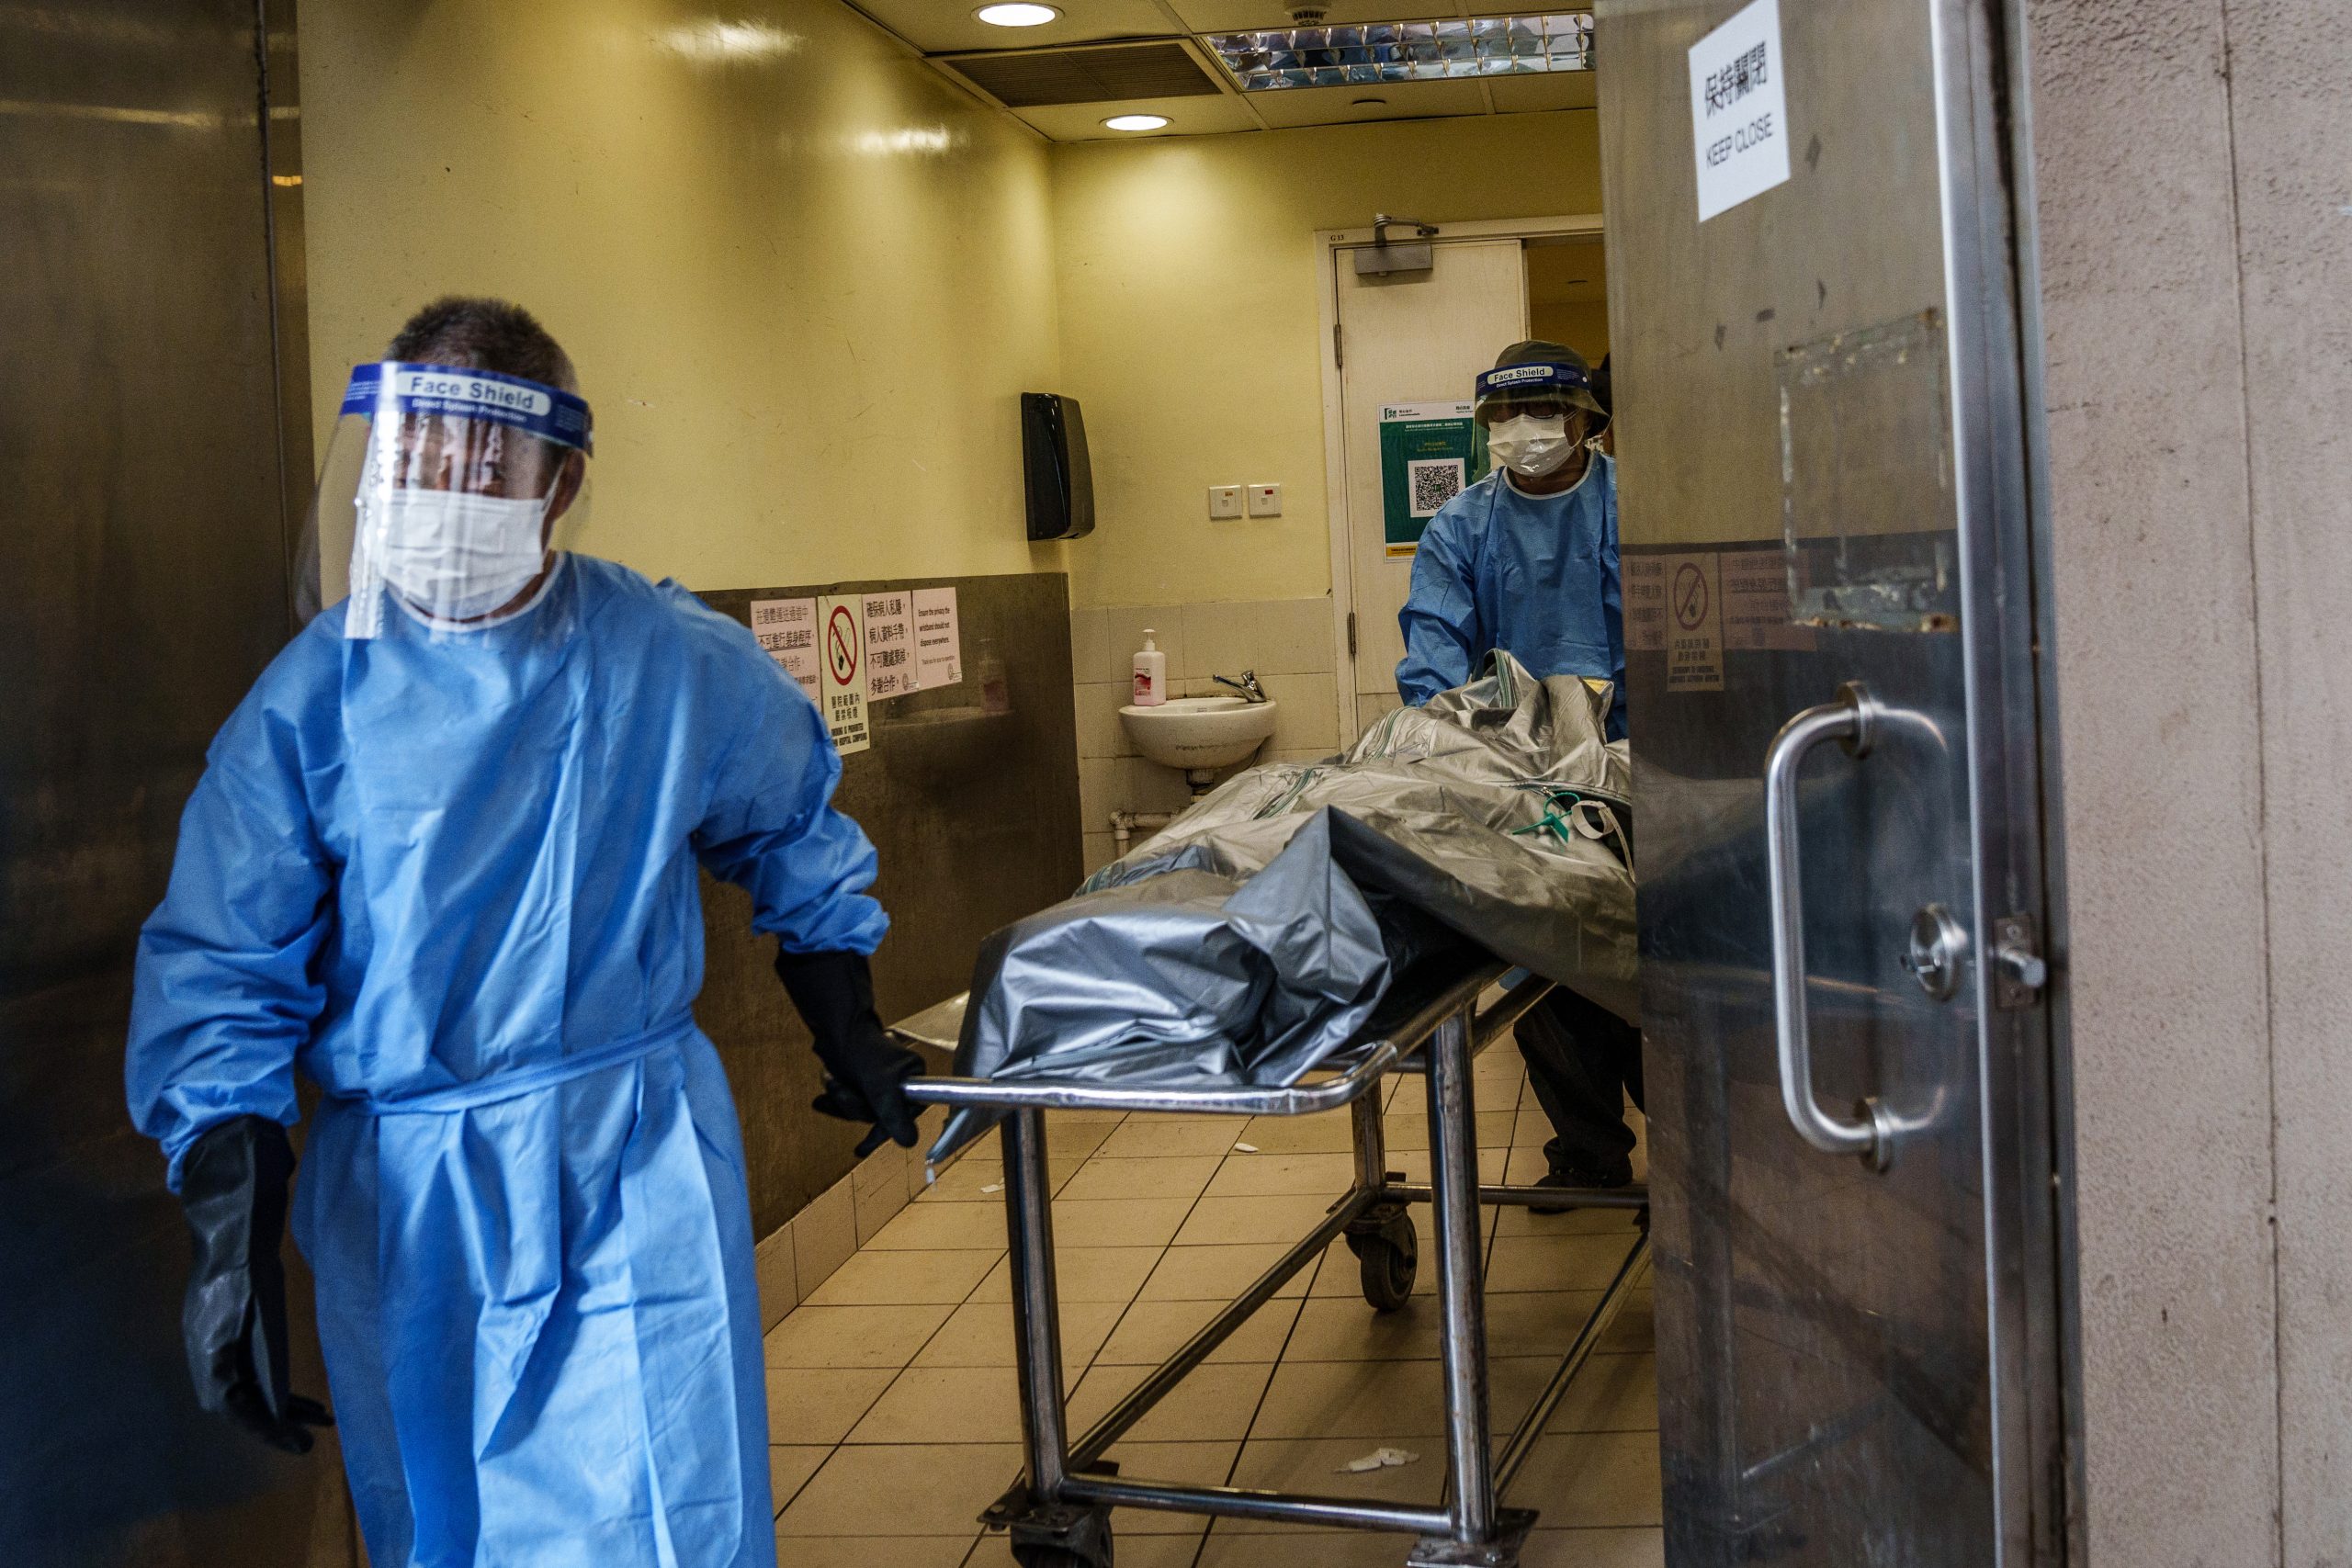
(2153, 586)
(804, 276)
(2288, 64)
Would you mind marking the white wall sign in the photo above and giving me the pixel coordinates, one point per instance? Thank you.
(841, 651)
(889, 645)
(788, 629)
(1739, 115)
(939, 643)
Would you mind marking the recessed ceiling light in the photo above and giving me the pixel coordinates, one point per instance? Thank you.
(1135, 121)
(1019, 14)
(1368, 103)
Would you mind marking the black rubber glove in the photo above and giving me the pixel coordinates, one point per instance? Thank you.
(234, 1186)
(866, 1074)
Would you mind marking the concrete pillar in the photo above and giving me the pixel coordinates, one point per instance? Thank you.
(2194, 164)
(2289, 63)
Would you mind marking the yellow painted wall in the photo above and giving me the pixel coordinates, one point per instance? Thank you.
(1192, 335)
(803, 276)
(1582, 325)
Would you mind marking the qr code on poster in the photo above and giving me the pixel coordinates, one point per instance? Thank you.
(1431, 483)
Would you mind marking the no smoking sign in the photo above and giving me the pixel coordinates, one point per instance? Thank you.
(1694, 634)
(844, 619)
(841, 643)
(1691, 597)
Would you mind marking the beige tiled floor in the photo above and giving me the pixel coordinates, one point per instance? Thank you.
(891, 1398)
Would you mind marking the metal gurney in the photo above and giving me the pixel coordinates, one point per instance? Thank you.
(1059, 1510)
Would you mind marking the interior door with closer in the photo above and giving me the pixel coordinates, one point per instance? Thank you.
(1410, 338)
(1823, 511)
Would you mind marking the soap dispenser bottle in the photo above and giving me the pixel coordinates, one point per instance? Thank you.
(1152, 673)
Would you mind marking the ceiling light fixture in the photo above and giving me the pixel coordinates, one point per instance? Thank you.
(1019, 14)
(1433, 51)
(1135, 121)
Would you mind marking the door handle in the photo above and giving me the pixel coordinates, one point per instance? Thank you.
(1852, 721)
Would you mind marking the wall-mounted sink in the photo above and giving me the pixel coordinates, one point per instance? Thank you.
(1198, 734)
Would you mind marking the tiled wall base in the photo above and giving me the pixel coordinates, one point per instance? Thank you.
(1287, 641)
(802, 1254)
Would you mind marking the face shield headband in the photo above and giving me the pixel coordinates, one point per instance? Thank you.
(455, 472)
(1549, 381)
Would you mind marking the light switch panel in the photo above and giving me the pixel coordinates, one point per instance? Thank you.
(1225, 501)
(1265, 501)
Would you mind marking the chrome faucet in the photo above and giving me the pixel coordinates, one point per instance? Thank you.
(1248, 685)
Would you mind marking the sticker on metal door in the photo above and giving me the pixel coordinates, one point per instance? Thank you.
(1739, 112)
(1694, 622)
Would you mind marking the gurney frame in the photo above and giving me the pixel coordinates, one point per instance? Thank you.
(1058, 1513)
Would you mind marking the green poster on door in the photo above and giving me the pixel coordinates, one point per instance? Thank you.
(1429, 452)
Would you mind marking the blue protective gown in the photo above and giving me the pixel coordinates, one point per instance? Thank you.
(452, 880)
(1533, 574)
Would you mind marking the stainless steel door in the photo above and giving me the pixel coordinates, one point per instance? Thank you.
(148, 448)
(1825, 524)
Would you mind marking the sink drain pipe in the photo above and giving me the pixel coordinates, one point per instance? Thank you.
(1125, 823)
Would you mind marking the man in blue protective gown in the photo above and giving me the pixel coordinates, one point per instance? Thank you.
(441, 861)
(1525, 560)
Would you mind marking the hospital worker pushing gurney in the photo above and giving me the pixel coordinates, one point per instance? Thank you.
(1525, 560)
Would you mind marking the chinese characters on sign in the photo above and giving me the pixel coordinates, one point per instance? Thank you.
(1740, 109)
(850, 651)
(912, 642)
(1694, 624)
(788, 629)
(1695, 607)
(1756, 598)
(890, 646)
(1735, 81)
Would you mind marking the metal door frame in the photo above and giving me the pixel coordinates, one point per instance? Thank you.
(2000, 498)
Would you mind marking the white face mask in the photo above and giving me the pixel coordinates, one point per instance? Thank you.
(457, 556)
(1531, 447)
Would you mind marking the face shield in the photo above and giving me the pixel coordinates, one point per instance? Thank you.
(442, 487)
(1527, 411)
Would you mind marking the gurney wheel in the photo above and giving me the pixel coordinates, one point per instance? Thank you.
(1040, 1556)
(1064, 1536)
(1388, 1259)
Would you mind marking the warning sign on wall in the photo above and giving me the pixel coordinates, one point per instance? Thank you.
(889, 645)
(841, 645)
(788, 629)
(1694, 622)
(939, 647)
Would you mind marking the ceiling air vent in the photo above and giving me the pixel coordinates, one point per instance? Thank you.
(1031, 78)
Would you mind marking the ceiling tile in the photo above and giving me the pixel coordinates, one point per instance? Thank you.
(1553, 90)
(1337, 106)
(1186, 117)
(940, 27)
